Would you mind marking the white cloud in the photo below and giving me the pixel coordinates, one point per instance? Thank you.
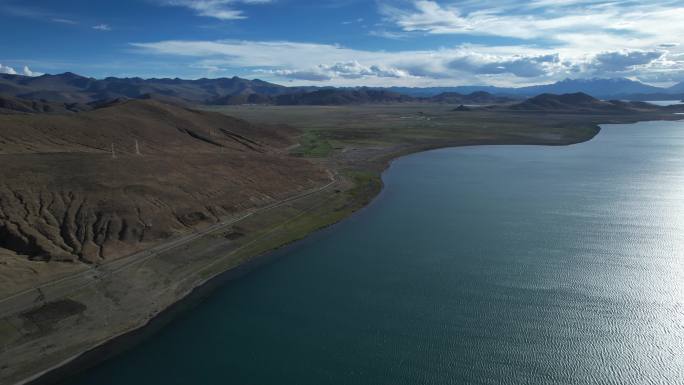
(218, 9)
(63, 21)
(521, 66)
(355, 21)
(389, 34)
(7, 70)
(310, 75)
(572, 24)
(102, 27)
(623, 61)
(346, 70)
(26, 71)
(356, 70)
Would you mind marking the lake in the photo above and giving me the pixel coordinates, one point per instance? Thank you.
(480, 265)
(665, 103)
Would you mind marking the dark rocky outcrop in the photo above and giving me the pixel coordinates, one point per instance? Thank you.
(579, 103)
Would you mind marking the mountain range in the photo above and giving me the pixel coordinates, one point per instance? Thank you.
(69, 87)
(53, 92)
(72, 92)
(614, 88)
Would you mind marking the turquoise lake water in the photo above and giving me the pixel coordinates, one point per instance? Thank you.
(481, 265)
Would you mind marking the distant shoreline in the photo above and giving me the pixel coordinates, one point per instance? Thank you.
(120, 343)
(203, 288)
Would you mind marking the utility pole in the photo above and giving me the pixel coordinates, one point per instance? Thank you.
(137, 148)
(113, 153)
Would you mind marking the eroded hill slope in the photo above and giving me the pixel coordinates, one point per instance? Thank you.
(96, 185)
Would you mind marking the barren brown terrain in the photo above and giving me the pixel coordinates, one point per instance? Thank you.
(94, 186)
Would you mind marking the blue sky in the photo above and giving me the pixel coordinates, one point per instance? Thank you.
(348, 42)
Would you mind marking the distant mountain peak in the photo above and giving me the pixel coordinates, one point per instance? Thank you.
(579, 102)
(576, 98)
(70, 75)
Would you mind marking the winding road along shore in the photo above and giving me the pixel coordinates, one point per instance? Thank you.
(53, 325)
(56, 295)
(58, 288)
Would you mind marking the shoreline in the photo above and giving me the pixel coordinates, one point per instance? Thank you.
(121, 342)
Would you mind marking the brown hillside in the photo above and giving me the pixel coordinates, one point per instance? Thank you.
(65, 197)
(11, 105)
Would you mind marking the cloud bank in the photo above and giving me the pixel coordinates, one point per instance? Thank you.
(26, 71)
(463, 64)
(518, 43)
(628, 22)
